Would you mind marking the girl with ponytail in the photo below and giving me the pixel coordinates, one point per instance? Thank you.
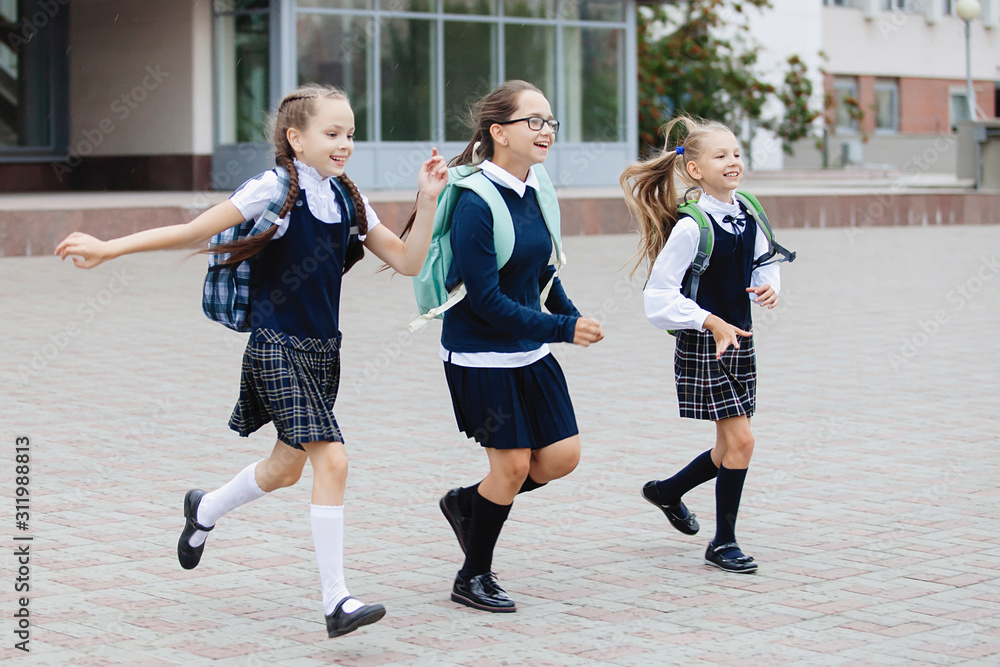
(508, 391)
(714, 362)
(291, 368)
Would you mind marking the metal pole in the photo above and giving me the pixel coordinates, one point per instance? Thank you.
(970, 94)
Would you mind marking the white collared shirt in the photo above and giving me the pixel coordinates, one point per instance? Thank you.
(666, 307)
(503, 178)
(253, 197)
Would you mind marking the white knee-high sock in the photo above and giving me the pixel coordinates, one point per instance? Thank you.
(238, 491)
(328, 540)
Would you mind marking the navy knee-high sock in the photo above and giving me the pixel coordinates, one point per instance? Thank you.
(467, 493)
(487, 522)
(728, 491)
(699, 471)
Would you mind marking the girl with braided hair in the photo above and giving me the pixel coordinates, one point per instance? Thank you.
(291, 368)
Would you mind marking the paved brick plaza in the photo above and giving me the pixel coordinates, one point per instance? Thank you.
(870, 504)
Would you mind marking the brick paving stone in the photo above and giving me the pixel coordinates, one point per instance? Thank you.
(870, 503)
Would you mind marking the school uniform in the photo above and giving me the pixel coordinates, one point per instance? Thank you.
(507, 389)
(291, 367)
(710, 388)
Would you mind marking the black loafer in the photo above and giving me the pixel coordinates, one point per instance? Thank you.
(741, 564)
(453, 512)
(482, 592)
(679, 515)
(341, 622)
(188, 555)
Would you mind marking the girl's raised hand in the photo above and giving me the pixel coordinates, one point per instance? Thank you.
(725, 334)
(91, 251)
(587, 332)
(766, 296)
(433, 175)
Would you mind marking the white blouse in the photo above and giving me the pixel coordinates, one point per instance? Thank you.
(666, 307)
(253, 197)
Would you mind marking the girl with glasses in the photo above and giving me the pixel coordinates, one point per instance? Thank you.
(714, 363)
(508, 391)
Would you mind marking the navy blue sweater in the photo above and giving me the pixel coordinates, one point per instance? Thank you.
(501, 312)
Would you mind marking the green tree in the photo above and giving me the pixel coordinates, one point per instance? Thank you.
(698, 57)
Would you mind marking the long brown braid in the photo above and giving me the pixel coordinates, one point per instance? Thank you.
(650, 190)
(295, 111)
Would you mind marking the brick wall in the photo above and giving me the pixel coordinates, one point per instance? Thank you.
(924, 104)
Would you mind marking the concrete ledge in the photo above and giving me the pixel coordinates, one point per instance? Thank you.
(34, 224)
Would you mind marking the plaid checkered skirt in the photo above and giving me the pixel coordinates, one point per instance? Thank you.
(292, 382)
(704, 389)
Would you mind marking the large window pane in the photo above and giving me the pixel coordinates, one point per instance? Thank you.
(468, 72)
(334, 50)
(409, 5)
(594, 79)
(407, 63)
(243, 77)
(886, 106)
(845, 91)
(592, 10)
(480, 7)
(530, 54)
(337, 4)
(542, 9)
(222, 6)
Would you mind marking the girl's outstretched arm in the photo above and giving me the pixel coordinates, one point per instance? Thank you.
(88, 251)
(407, 257)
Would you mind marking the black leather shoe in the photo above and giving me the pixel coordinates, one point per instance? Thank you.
(482, 592)
(188, 555)
(341, 622)
(679, 515)
(742, 564)
(453, 512)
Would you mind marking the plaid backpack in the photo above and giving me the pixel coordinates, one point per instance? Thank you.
(226, 293)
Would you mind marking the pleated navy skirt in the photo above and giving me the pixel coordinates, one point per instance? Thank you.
(510, 408)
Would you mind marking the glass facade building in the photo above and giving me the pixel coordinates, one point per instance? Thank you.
(412, 68)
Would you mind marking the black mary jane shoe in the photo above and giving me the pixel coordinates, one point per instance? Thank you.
(482, 592)
(741, 564)
(188, 555)
(341, 622)
(679, 515)
(453, 512)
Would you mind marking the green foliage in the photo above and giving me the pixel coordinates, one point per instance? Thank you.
(693, 69)
(795, 95)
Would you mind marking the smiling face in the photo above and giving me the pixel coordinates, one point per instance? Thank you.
(327, 140)
(516, 147)
(719, 167)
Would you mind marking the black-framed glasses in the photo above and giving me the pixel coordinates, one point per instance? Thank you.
(535, 123)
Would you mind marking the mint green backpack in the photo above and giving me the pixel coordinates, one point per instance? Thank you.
(429, 285)
(707, 240)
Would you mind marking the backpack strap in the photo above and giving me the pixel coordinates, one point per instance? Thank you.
(756, 211)
(706, 241)
(253, 227)
(549, 204)
(348, 205)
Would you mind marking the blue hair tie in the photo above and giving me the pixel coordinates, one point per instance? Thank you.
(679, 150)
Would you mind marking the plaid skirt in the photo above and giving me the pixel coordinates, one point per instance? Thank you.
(292, 382)
(710, 388)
